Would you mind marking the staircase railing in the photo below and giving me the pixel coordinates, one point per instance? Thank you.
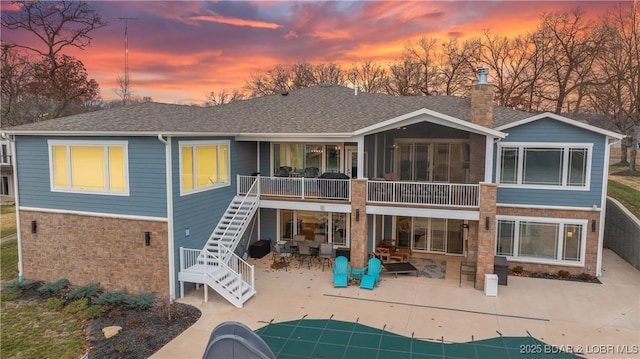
(253, 191)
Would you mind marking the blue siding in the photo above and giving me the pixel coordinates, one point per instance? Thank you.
(268, 223)
(200, 212)
(549, 130)
(147, 179)
(265, 159)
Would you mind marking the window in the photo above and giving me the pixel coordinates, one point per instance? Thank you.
(331, 227)
(438, 235)
(89, 167)
(544, 165)
(203, 165)
(541, 240)
(307, 160)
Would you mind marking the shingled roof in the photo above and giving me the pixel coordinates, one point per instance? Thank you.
(321, 109)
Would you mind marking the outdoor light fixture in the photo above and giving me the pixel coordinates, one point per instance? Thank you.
(34, 227)
(147, 238)
(593, 225)
(569, 234)
(357, 215)
(486, 223)
(465, 225)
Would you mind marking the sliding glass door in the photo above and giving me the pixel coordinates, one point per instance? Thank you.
(434, 235)
(431, 162)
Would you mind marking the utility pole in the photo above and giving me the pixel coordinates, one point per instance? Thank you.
(125, 85)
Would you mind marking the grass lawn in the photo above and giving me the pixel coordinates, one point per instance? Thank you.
(625, 195)
(7, 220)
(30, 331)
(9, 260)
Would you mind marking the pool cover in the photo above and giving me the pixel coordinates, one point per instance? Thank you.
(327, 338)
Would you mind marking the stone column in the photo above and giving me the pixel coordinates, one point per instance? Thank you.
(486, 236)
(359, 233)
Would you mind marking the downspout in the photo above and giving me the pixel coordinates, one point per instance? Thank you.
(170, 238)
(11, 140)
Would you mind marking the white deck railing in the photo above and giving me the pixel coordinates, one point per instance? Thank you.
(298, 187)
(423, 193)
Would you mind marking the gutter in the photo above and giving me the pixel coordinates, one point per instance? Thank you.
(11, 140)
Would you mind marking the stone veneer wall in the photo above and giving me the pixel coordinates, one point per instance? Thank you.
(486, 238)
(591, 252)
(359, 236)
(482, 104)
(85, 249)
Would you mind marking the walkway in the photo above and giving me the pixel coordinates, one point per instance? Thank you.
(594, 317)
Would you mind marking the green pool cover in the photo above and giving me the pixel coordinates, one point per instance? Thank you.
(327, 338)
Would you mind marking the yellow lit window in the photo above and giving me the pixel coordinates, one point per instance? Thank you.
(203, 165)
(87, 167)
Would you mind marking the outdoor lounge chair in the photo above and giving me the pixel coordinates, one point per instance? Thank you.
(372, 274)
(341, 272)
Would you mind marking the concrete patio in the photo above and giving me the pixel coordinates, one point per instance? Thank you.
(597, 320)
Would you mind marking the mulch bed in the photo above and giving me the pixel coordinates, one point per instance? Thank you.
(573, 278)
(143, 332)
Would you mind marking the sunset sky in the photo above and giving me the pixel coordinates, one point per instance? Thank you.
(180, 51)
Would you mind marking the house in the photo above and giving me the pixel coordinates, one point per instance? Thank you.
(6, 170)
(152, 197)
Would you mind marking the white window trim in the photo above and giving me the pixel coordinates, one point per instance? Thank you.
(562, 222)
(565, 164)
(89, 143)
(217, 143)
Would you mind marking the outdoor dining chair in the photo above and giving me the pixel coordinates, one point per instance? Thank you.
(326, 254)
(304, 254)
(372, 275)
(341, 272)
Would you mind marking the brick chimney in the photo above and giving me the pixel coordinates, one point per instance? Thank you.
(482, 100)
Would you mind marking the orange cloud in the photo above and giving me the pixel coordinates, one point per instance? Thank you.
(234, 21)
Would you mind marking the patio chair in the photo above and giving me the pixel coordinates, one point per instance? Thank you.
(283, 255)
(304, 254)
(372, 276)
(326, 254)
(341, 272)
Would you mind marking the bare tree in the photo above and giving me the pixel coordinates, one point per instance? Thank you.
(330, 73)
(404, 78)
(56, 25)
(618, 61)
(17, 74)
(458, 65)
(572, 45)
(369, 76)
(423, 53)
(509, 61)
(223, 96)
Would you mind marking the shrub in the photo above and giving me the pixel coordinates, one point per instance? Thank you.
(563, 274)
(134, 322)
(517, 270)
(112, 298)
(77, 306)
(94, 311)
(54, 303)
(144, 336)
(88, 291)
(165, 306)
(21, 286)
(142, 301)
(54, 288)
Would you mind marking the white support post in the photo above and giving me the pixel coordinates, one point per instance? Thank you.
(360, 141)
(488, 160)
